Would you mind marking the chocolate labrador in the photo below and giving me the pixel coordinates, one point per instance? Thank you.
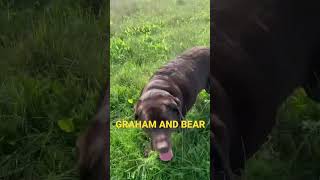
(92, 145)
(171, 92)
(263, 51)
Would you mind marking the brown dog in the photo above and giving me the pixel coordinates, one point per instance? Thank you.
(171, 92)
(263, 51)
(221, 129)
(92, 145)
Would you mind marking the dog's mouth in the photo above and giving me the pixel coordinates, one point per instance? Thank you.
(167, 156)
(161, 143)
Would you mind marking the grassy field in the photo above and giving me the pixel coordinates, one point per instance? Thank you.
(144, 36)
(52, 67)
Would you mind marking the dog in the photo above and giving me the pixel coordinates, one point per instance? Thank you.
(92, 146)
(170, 93)
(263, 51)
(221, 118)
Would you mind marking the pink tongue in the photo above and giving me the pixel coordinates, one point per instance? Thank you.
(166, 156)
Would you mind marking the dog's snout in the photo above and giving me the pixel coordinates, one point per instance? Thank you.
(161, 143)
(163, 146)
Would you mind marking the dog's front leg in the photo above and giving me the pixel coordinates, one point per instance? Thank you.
(220, 150)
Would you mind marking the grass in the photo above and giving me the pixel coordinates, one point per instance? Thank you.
(144, 36)
(292, 151)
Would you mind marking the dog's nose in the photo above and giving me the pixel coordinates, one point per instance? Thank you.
(163, 146)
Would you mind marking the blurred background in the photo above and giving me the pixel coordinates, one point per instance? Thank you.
(52, 68)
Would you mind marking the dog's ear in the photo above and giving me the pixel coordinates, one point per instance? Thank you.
(177, 107)
(136, 106)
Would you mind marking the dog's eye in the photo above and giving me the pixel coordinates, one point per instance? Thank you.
(175, 110)
(173, 106)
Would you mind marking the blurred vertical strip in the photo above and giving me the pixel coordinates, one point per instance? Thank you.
(54, 61)
(108, 93)
(211, 89)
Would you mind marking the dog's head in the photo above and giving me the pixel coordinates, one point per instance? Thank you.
(159, 106)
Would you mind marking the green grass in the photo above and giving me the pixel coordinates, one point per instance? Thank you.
(293, 149)
(52, 67)
(144, 36)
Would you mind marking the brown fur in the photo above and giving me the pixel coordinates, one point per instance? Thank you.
(92, 146)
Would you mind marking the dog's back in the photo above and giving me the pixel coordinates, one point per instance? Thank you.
(185, 76)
